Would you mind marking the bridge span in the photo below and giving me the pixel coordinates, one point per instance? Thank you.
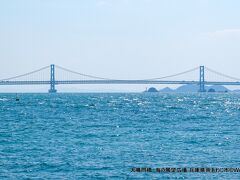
(201, 82)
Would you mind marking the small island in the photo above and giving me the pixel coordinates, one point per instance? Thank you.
(151, 89)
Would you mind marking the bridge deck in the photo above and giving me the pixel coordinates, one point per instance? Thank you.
(114, 82)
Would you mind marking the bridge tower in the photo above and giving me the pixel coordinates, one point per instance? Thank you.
(202, 80)
(52, 79)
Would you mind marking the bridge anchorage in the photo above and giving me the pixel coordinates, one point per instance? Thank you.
(60, 75)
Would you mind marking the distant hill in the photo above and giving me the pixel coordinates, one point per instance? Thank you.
(187, 88)
(217, 88)
(166, 90)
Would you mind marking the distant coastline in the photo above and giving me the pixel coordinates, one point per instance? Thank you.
(190, 88)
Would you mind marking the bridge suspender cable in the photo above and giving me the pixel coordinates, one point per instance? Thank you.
(174, 75)
(90, 76)
(15, 77)
(96, 77)
(86, 75)
(221, 74)
(108, 79)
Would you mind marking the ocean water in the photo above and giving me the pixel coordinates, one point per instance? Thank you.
(104, 136)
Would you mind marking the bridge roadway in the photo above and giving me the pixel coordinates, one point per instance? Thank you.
(115, 82)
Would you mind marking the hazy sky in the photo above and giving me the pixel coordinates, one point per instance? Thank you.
(120, 38)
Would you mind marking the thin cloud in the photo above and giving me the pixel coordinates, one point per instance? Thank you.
(109, 3)
(103, 3)
(223, 33)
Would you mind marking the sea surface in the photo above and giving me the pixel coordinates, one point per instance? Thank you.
(104, 136)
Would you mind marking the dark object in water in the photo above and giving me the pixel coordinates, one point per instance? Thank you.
(211, 90)
(17, 98)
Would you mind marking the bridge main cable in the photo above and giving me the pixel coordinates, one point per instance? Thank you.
(86, 75)
(223, 75)
(101, 78)
(174, 75)
(26, 74)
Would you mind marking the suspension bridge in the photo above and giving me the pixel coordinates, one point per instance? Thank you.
(54, 75)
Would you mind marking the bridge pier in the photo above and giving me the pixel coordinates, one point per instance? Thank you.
(202, 80)
(52, 79)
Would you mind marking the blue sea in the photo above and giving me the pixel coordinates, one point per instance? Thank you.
(104, 136)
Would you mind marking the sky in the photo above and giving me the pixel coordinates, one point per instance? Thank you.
(119, 39)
